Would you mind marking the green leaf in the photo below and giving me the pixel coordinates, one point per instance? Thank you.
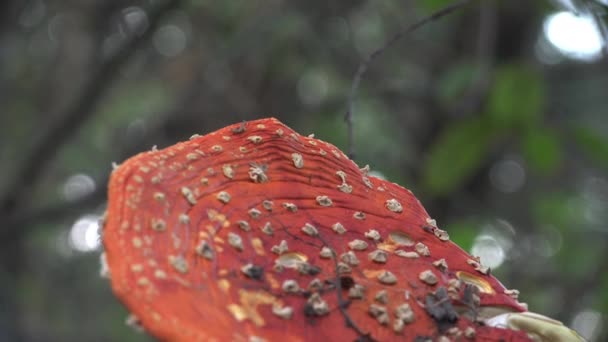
(566, 211)
(455, 82)
(542, 150)
(517, 98)
(463, 233)
(574, 261)
(593, 145)
(455, 156)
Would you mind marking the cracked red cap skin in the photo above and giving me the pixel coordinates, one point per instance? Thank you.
(257, 233)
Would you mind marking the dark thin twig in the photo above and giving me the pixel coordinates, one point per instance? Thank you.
(341, 302)
(364, 65)
(59, 132)
(486, 46)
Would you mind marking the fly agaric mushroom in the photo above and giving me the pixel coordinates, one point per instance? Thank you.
(256, 233)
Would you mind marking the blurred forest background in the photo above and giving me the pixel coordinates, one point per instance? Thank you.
(495, 116)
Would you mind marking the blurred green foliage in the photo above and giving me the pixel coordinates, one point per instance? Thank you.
(527, 162)
(463, 233)
(592, 144)
(455, 82)
(542, 150)
(456, 155)
(515, 106)
(517, 98)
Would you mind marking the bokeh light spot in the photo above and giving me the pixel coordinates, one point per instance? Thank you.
(170, 40)
(575, 36)
(368, 30)
(135, 20)
(312, 88)
(588, 323)
(77, 186)
(489, 250)
(508, 175)
(84, 234)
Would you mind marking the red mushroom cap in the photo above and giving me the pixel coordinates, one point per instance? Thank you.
(255, 232)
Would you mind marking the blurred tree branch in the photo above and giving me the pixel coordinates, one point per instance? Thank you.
(46, 146)
(230, 50)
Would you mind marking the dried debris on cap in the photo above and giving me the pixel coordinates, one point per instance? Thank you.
(270, 225)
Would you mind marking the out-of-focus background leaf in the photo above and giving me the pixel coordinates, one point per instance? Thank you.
(456, 154)
(495, 116)
(517, 97)
(592, 144)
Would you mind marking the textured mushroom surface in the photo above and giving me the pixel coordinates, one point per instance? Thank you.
(255, 233)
